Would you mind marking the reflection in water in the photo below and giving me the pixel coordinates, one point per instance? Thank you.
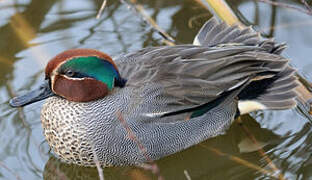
(58, 25)
(11, 42)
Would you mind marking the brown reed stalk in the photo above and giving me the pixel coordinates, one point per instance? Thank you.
(187, 175)
(260, 150)
(152, 166)
(10, 170)
(307, 6)
(101, 9)
(140, 11)
(307, 9)
(97, 164)
(241, 161)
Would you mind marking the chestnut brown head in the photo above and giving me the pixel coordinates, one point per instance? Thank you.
(79, 75)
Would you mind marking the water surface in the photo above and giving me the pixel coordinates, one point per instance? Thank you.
(33, 31)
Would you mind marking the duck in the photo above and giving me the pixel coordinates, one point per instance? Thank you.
(148, 104)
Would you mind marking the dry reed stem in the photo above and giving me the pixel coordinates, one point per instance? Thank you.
(101, 9)
(10, 170)
(285, 5)
(187, 175)
(240, 161)
(260, 150)
(221, 9)
(96, 161)
(304, 2)
(288, 25)
(139, 9)
(153, 166)
(97, 164)
(133, 137)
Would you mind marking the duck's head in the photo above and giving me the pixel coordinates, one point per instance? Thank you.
(79, 75)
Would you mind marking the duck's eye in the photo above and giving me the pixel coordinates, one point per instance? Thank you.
(69, 73)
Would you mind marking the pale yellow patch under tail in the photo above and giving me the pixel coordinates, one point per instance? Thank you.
(272, 93)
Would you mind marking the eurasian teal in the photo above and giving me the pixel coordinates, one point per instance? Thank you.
(170, 98)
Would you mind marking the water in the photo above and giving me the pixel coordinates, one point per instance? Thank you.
(33, 31)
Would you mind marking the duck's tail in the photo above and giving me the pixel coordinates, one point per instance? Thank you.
(215, 33)
(277, 92)
(267, 91)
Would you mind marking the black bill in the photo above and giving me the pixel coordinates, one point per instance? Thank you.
(43, 92)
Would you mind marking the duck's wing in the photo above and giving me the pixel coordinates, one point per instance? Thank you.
(190, 79)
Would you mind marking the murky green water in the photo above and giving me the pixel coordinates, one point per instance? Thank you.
(33, 31)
